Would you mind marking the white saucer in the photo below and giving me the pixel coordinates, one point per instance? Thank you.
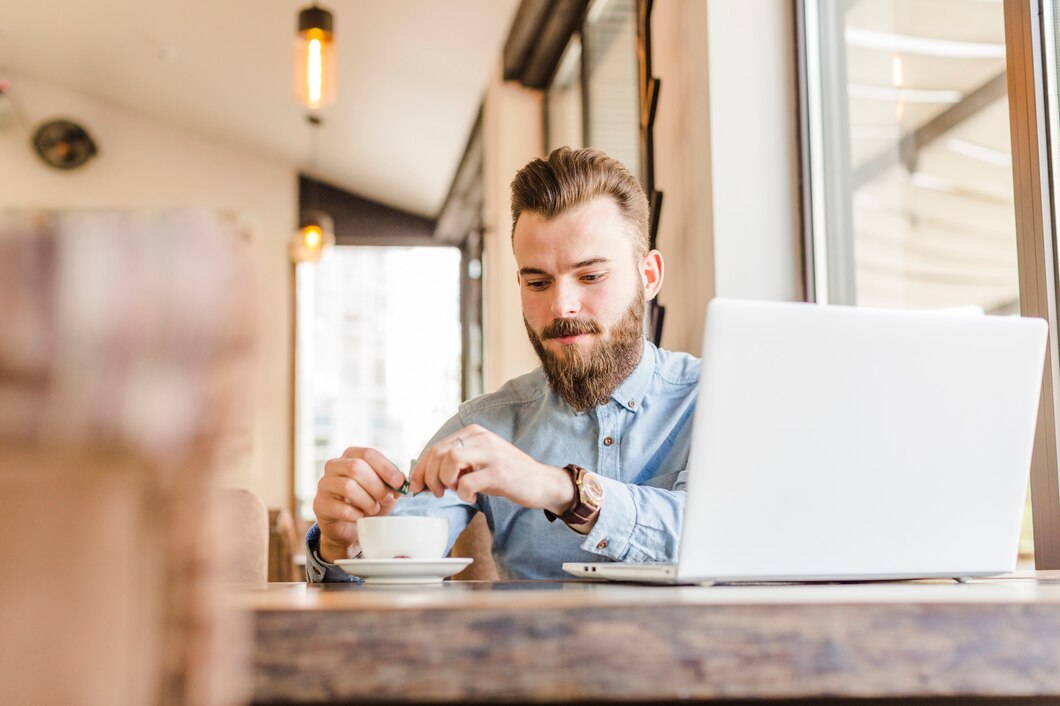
(405, 571)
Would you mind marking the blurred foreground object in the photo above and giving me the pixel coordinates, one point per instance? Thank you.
(124, 357)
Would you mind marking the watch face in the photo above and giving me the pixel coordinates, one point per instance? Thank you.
(592, 490)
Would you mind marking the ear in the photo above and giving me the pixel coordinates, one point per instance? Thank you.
(651, 274)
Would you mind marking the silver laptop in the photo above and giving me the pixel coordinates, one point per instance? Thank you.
(835, 443)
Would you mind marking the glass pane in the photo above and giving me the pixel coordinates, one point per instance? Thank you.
(913, 156)
(378, 355)
(613, 80)
(910, 156)
(564, 100)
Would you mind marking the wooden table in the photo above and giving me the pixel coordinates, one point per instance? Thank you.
(527, 642)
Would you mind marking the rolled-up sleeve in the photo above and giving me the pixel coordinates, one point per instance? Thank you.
(638, 523)
(316, 569)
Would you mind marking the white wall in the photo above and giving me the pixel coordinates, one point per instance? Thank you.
(145, 165)
(754, 148)
(726, 157)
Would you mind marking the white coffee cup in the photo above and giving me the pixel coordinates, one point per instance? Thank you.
(403, 537)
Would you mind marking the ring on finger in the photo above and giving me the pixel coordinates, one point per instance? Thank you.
(459, 443)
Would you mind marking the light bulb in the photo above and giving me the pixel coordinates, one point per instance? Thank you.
(313, 238)
(314, 72)
(314, 60)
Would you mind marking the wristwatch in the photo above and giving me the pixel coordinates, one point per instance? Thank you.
(588, 497)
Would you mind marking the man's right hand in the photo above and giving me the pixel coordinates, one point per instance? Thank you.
(360, 483)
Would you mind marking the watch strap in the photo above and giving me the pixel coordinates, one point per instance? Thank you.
(581, 511)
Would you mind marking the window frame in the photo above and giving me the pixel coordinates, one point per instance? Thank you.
(1037, 246)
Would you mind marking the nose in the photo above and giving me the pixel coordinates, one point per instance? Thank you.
(565, 300)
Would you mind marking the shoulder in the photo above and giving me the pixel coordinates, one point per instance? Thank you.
(524, 390)
(676, 368)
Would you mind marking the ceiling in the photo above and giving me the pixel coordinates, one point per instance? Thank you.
(411, 75)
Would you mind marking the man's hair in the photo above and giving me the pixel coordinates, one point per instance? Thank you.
(568, 178)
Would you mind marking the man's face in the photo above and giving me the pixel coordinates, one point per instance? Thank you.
(583, 299)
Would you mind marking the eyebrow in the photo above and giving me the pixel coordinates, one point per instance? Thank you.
(576, 266)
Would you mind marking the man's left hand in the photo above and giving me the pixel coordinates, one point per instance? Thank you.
(475, 460)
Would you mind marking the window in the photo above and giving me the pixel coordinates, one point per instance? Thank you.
(366, 375)
(909, 144)
(593, 98)
(613, 80)
(908, 156)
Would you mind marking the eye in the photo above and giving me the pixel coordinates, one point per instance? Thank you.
(537, 285)
(594, 277)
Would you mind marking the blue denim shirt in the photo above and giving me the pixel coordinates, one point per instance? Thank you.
(637, 444)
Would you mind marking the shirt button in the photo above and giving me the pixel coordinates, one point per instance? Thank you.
(602, 544)
(631, 404)
(608, 440)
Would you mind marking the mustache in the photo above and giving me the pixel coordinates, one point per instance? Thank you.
(571, 327)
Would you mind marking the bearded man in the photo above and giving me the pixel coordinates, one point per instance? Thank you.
(597, 438)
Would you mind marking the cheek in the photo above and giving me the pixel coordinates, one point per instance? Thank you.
(534, 309)
(611, 305)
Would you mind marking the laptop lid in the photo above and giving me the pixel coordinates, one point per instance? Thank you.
(836, 443)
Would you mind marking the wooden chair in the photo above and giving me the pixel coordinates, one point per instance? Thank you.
(476, 542)
(246, 529)
(284, 542)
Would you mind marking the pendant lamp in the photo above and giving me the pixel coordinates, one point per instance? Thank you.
(314, 57)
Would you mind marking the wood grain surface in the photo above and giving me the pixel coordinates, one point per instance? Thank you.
(581, 642)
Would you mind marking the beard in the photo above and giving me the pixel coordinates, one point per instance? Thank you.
(585, 379)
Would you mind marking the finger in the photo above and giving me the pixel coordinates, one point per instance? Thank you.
(459, 461)
(355, 452)
(368, 477)
(350, 491)
(388, 503)
(352, 457)
(384, 468)
(344, 467)
(471, 484)
(337, 466)
(426, 473)
(329, 509)
(431, 471)
(416, 481)
(361, 473)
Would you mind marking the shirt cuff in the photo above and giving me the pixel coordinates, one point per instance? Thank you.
(316, 569)
(612, 534)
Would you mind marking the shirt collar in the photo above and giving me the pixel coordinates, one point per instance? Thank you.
(632, 390)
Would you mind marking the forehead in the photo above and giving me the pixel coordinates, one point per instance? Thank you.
(595, 229)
